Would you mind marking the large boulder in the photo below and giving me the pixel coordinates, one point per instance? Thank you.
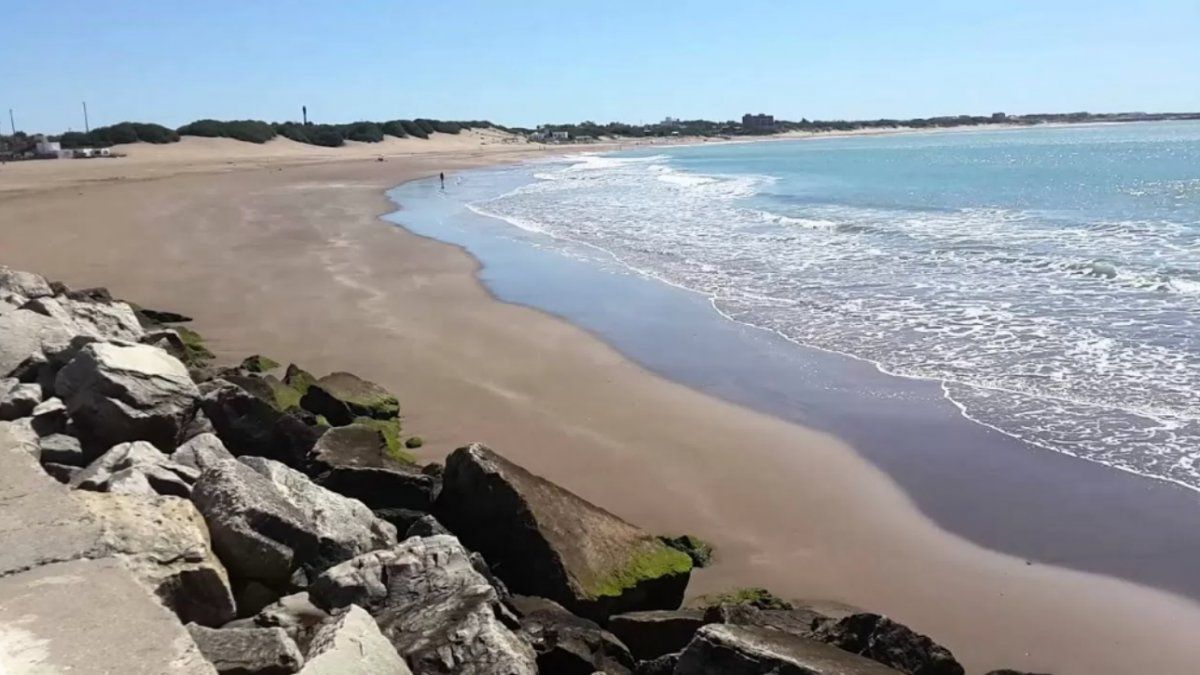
(201, 451)
(164, 541)
(569, 644)
(354, 460)
(529, 529)
(743, 650)
(25, 285)
(342, 397)
(247, 651)
(118, 392)
(25, 335)
(50, 417)
(96, 320)
(344, 527)
(653, 633)
(257, 533)
(881, 639)
(439, 612)
(18, 399)
(136, 468)
(61, 449)
(351, 644)
(248, 425)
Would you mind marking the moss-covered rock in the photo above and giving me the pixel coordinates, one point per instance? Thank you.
(299, 379)
(259, 364)
(195, 353)
(391, 434)
(341, 397)
(546, 541)
(414, 442)
(749, 596)
(697, 549)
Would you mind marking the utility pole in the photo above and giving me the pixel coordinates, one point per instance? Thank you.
(11, 123)
(86, 128)
(304, 112)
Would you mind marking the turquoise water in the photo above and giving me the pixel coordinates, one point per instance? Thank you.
(1048, 279)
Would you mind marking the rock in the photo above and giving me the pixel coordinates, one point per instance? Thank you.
(569, 644)
(20, 435)
(118, 392)
(95, 320)
(94, 294)
(164, 541)
(425, 526)
(341, 397)
(662, 665)
(259, 364)
(749, 596)
(50, 417)
(62, 473)
(697, 549)
(201, 452)
(355, 461)
(249, 425)
(430, 602)
(743, 650)
(529, 529)
(351, 644)
(61, 449)
(247, 651)
(296, 615)
(345, 527)
(257, 533)
(136, 468)
(19, 401)
(25, 284)
(25, 333)
(158, 316)
(881, 639)
(654, 633)
(401, 519)
(802, 621)
(1008, 671)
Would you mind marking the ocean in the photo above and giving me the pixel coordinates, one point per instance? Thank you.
(1047, 279)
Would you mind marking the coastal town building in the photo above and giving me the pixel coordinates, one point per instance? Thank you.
(759, 122)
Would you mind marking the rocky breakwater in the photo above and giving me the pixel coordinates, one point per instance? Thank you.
(161, 514)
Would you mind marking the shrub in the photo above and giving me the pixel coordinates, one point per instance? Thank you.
(312, 134)
(425, 125)
(124, 132)
(414, 129)
(394, 128)
(251, 131)
(366, 132)
(447, 127)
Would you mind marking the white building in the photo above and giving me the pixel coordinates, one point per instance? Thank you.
(560, 135)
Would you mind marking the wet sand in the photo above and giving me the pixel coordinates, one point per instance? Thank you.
(291, 260)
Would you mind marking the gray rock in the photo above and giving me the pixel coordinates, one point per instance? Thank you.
(296, 615)
(201, 452)
(342, 397)
(256, 531)
(431, 603)
(25, 333)
(351, 644)
(569, 644)
(345, 527)
(20, 434)
(136, 468)
(248, 425)
(657, 632)
(117, 392)
(50, 417)
(95, 320)
(164, 541)
(354, 461)
(19, 401)
(881, 639)
(60, 449)
(25, 284)
(662, 665)
(62, 473)
(744, 650)
(247, 651)
(425, 526)
(529, 529)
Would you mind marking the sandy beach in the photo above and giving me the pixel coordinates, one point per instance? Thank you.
(279, 249)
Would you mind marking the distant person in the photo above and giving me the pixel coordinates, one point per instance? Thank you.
(443, 177)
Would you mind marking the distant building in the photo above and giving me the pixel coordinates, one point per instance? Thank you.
(671, 122)
(759, 122)
(539, 136)
(999, 117)
(47, 148)
(560, 135)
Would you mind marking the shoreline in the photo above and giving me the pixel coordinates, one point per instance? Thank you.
(248, 253)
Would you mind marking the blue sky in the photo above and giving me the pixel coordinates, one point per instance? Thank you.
(528, 62)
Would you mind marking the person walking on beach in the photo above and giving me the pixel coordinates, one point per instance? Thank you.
(442, 176)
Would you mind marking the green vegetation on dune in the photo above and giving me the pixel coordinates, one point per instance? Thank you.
(124, 132)
(251, 131)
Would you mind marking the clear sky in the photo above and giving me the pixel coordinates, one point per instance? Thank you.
(532, 61)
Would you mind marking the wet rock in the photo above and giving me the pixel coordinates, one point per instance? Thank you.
(431, 603)
(569, 644)
(529, 529)
(354, 460)
(164, 542)
(247, 651)
(118, 392)
(257, 533)
(248, 425)
(342, 397)
(351, 644)
(136, 468)
(19, 400)
(344, 527)
(201, 452)
(881, 639)
(654, 633)
(744, 650)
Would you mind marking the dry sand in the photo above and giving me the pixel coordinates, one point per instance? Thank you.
(279, 250)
